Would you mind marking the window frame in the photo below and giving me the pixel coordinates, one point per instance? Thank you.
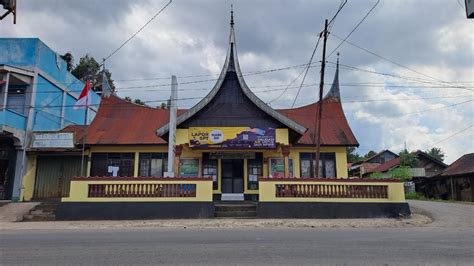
(291, 166)
(110, 159)
(142, 156)
(214, 163)
(324, 156)
(190, 158)
(258, 163)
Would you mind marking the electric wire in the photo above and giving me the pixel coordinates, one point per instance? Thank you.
(136, 33)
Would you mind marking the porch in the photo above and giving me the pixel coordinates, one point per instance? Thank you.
(178, 197)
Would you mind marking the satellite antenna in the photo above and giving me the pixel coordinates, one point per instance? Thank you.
(10, 6)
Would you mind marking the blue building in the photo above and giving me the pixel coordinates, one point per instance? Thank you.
(37, 94)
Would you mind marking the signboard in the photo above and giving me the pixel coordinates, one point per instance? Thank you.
(53, 140)
(232, 155)
(232, 137)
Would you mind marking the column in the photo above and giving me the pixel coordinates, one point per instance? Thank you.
(285, 150)
(177, 151)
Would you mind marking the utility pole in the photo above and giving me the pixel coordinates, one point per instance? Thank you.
(171, 172)
(320, 105)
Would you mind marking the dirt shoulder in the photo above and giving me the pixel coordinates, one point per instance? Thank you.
(416, 220)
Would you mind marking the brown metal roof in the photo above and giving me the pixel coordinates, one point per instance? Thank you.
(121, 122)
(462, 166)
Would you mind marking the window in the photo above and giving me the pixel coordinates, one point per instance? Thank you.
(254, 170)
(327, 165)
(188, 167)
(152, 164)
(277, 167)
(209, 169)
(112, 164)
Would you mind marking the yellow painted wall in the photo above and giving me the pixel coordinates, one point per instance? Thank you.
(28, 180)
(267, 193)
(341, 158)
(80, 188)
(182, 137)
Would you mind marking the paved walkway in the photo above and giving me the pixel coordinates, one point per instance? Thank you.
(452, 215)
(13, 212)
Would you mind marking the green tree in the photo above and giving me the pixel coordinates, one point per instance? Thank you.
(353, 156)
(402, 173)
(436, 153)
(88, 69)
(163, 105)
(128, 99)
(138, 101)
(369, 154)
(408, 159)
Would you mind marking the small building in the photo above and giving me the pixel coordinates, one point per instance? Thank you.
(230, 146)
(37, 94)
(362, 168)
(427, 166)
(456, 182)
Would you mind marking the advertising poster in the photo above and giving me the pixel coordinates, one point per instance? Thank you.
(232, 137)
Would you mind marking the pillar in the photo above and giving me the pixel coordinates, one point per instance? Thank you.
(285, 150)
(177, 151)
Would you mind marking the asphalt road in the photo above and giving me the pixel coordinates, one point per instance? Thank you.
(255, 246)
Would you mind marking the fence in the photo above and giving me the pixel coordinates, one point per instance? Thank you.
(112, 189)
(330, 190)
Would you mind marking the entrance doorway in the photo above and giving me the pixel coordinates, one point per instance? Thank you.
(53, 176)
(232, 175)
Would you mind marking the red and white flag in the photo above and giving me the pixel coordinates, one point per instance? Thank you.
(85, 97)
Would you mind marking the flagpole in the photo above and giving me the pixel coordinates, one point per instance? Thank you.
(84, 134)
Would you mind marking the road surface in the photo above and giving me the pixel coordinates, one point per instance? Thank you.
(448, 240)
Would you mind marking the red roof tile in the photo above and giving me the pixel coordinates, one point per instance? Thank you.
(335, 129)
(387, 165)
(462, 166)
(121, 122)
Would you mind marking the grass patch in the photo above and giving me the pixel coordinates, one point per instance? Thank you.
(419, 196)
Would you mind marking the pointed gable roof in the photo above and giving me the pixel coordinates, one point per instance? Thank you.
(231, 67)
(335, 129)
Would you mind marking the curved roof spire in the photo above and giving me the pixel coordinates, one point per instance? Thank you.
(334, 92)
(231, 15)
(231, 64)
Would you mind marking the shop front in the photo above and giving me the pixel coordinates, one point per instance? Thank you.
(230, 146)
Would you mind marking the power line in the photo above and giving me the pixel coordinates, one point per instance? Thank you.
(306, 70)
(355, 28)
(450, 136)
(138, 31)
(386, 59)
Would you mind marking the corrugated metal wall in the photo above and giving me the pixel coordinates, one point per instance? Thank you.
(53, 175)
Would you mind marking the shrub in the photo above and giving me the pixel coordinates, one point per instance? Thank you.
(414, 196)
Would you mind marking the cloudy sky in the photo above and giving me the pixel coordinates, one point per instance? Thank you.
(410, 81)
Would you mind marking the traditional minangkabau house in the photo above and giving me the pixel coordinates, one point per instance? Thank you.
(230, 146)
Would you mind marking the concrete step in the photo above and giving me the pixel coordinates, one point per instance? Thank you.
(45, 211)
(232, 196)
(41, 212)
(47, 207)
(37, 218)
(236, 214)
(235, 207)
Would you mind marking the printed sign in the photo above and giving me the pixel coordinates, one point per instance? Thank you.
(53, 140)
(232, 137)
